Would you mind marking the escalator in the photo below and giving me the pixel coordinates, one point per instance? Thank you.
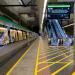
(52, 35)
(58, 29)
(61, 33)
(54, 39)
(48, 27)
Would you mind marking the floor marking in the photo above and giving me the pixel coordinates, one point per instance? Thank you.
(36, 66)
(49, 52)
(53, 63)
(53, 57)
(73, 73)
(12, 68)
(52, 54)
(59, 46)
(62, 68)
(46, 52)
(59, 62)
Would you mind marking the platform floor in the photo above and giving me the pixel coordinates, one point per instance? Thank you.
(42, 59)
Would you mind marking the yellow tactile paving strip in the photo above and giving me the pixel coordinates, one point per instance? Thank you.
(49, 57)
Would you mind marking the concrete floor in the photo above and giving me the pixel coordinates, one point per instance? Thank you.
(27, 65)
(55, 60)
(51, 60)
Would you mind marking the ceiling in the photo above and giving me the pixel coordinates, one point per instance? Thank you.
(26, 13)
(31, 15)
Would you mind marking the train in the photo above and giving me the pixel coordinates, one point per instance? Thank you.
(11, 31)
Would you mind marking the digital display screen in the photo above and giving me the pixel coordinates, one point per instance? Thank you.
(58, 11)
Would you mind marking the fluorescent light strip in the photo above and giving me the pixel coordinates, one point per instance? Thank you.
(45, 3)
(68, 25)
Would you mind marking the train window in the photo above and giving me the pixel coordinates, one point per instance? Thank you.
(14, 36)
(24, 35)
(20, 35)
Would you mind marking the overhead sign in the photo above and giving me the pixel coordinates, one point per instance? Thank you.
(58, 11)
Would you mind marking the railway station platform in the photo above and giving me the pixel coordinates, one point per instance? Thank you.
(42, 59)
(37, 37)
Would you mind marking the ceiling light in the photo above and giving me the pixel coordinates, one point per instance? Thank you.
(68, 25)
(43, 15)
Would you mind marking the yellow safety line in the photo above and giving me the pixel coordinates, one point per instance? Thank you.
(49, 52)
(73, 73)
(36, 66)
(62, 68)
(53, 63)
(12, 68)
(53, 53)
(46, 51)
(58, 62)
(53, 58)
(58, 46)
